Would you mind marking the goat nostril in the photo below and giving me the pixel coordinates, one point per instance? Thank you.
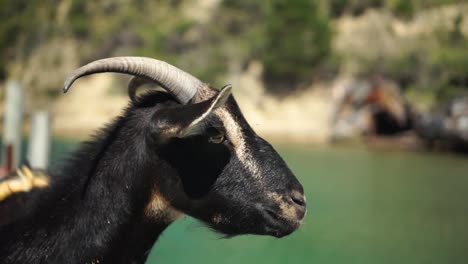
(298, 199)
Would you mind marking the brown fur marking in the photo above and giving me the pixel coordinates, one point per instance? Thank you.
(288, 211)
(160, 208)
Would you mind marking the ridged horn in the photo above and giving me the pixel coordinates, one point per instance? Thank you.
(136, 83)
(182, 85)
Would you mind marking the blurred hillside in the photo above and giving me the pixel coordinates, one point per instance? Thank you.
(281, 56)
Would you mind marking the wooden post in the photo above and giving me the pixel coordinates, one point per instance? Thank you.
(11, 149)
(39, 141)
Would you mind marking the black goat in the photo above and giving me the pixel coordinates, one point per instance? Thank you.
(188, 151)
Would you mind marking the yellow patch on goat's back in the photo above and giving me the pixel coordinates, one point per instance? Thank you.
(24, 181)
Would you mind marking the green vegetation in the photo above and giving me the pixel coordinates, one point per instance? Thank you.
(436, 66)
(293, 39)
(402, 8)
(24, 25)
(297, 41)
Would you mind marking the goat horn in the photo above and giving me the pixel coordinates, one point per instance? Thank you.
(180, 84)
(135, 83)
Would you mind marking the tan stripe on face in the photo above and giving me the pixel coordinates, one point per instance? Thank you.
(233, 133)
(236, 137)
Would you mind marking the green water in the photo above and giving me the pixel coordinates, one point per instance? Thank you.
(364, 207)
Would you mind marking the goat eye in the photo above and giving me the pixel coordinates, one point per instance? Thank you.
(217, 139)
(215, 136)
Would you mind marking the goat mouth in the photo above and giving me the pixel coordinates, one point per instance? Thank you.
(277, 225)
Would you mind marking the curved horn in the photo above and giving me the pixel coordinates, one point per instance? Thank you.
(180, 84)
(135, 83)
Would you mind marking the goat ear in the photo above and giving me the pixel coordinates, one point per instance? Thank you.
(187, 120)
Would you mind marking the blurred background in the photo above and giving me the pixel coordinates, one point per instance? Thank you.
(367, 101)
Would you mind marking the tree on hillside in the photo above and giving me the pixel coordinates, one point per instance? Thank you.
(297, 41)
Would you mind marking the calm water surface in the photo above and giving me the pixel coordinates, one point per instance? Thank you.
(364, 207)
